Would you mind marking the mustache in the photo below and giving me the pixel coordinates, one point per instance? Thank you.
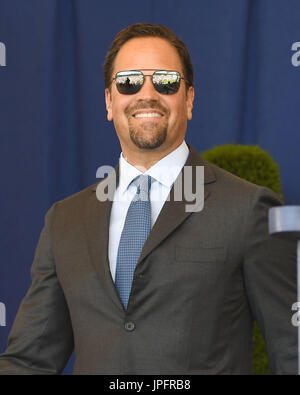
(145, 105)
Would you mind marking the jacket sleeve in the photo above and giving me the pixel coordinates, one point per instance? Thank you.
(41, 338)
(270, 275)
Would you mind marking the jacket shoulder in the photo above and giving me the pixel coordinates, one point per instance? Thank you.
(77, 198)
(236, 188)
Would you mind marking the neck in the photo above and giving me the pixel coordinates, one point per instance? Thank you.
(144, 159)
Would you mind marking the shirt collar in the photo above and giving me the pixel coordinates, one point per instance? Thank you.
(165, 171)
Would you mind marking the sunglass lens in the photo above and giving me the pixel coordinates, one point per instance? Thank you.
(129, 83)
(166, 83)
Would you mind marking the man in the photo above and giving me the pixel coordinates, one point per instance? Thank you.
(143, 285)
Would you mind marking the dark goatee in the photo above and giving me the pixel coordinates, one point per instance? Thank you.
(143, 142)
(137, 134)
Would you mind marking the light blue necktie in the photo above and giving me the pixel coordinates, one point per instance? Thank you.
(135, 232)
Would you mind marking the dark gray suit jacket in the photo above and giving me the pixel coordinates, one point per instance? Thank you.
(201, 280)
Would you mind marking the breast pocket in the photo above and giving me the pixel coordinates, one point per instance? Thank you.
(199, 255)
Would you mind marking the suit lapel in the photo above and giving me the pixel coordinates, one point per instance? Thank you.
(97, 221)
(174, 212)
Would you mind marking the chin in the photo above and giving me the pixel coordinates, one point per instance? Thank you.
(150, 141)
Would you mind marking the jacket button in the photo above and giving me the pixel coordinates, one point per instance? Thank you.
(129, 326)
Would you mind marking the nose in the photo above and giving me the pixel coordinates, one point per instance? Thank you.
(148, 90)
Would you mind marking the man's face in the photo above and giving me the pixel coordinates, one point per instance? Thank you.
(166, 127)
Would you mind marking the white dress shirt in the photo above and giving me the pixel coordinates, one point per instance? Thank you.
(164, 174)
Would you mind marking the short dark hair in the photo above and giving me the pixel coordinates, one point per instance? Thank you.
(148, 30)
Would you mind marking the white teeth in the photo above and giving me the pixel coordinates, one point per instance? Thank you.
(148, 115)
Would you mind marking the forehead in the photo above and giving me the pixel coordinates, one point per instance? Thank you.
(147, 53)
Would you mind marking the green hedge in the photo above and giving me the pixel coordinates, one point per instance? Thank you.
(253, 164)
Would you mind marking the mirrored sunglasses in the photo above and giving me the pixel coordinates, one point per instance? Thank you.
(164, 81)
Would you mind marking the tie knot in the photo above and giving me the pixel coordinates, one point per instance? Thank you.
(143, 184)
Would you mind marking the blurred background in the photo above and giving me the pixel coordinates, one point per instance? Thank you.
(53, 128)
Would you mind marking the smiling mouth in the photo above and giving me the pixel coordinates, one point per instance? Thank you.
(148, 115)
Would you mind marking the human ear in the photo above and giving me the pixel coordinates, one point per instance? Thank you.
(108, 104)
(189, 101)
